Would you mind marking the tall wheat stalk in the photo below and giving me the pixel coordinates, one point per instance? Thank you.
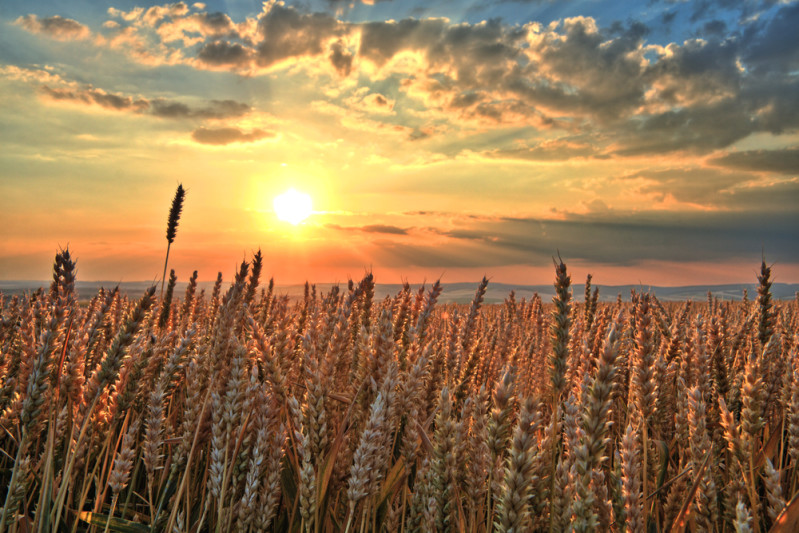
(172, 226)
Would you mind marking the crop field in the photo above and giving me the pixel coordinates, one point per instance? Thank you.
(243, 411)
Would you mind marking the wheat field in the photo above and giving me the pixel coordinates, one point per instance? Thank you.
(244, 411)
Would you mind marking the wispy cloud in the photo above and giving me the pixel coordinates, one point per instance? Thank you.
(372, 228)
(224, 136)
(780, 161)
(159, 107)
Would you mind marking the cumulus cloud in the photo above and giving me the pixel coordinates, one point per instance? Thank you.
(224, 136)
(633, 98)
(287, 33)
(225, 54)
(55, 27)
(341, 58)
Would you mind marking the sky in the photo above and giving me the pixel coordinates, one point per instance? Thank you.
(642, 141)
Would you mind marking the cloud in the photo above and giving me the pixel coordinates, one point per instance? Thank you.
(341, 58)
(99, 97)
(372, 228)
(630, 97)
(356, 120)
(784, 161)
(224, 136)
(604, 238)
(155, 14)
(770, 49)
(371, 103)
(55, 27)
(225, 54)
(553, 150)
(693, 186)
(767, 197)
(215, 109)
(287, 33)
(159, 107)
(32, 74)
(384, 228)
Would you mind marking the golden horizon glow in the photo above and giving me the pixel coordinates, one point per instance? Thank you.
(293, 206)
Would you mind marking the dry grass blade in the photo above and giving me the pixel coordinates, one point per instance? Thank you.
(771, 446)
(424, 437)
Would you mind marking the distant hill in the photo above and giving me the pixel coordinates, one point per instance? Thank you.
(453, 292)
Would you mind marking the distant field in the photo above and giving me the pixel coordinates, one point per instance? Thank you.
(452, 292)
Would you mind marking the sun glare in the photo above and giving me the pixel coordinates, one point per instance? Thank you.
(292, 206)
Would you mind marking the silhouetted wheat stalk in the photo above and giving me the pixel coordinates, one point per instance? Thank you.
(172, 226)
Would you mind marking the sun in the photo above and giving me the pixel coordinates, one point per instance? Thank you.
(292, 206)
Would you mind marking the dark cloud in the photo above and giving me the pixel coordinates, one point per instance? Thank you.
(608, 239)
(714, 28)
(772, 47)
(701, 129)
(381, 41)
(780, 161)
(96, 96)
(767, 198)
(225, 54)
(287, 33)
(341, 58)
(380, 100)
(223, 136)
(215, 23)
(215, 109)
(56, 27)
(372, 228)
(169, 109)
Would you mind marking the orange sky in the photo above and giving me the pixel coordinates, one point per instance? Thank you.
(639, 142)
